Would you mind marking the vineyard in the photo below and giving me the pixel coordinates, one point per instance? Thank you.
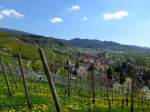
(74, 56)
(23, 90)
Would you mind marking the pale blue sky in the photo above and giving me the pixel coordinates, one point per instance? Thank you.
(123, 21)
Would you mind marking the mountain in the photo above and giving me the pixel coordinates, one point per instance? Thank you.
(105, 45)
(12, 31)
(13, 42)
(77, 42)
(32, 38)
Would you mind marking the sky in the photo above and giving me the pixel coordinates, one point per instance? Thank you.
(122, 21)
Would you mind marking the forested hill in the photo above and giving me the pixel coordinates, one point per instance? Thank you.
(77, 42)
(105, 45)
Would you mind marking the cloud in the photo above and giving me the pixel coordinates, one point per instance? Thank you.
(84, 18)
(75, 8)
(116, 15)
(56, 20)
(1, 17)
(10, 13)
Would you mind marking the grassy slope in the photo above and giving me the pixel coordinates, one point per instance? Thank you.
(11, 46)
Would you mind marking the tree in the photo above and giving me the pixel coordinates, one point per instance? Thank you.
(110, 72)
(37, 65)
(76, 67)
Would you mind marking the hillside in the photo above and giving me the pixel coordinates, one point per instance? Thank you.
(106, 45)
(77, 42)
(31, 38)
(69, 83)
(12, 43)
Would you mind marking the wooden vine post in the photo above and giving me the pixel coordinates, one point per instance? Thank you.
(11, 73)
(91, 68)
(132, 93)
(122, 105)
(69, 77)
(6, 78)
(133, 71)
(109, 106)
(93, 85)
(50, 80)
(25, 83)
